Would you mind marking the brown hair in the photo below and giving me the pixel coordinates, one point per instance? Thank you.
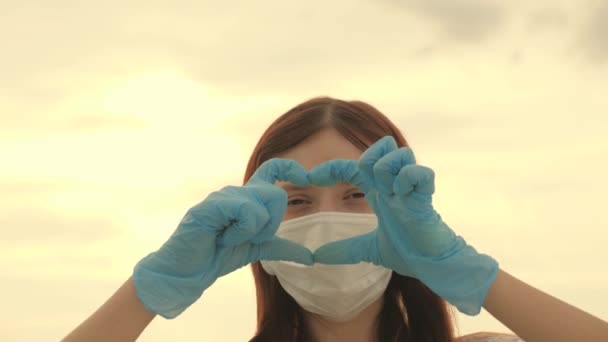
(411, 311)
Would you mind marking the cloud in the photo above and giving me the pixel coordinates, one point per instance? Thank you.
(593, 39)
(421, 129)
(461, 20)
(242, 49)
(12, 188)
(37, 127)
(545, 19)
(38, 225)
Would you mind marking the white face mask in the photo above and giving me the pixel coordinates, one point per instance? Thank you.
(336, 292)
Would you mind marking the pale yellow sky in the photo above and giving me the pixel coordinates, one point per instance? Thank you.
(115, 119)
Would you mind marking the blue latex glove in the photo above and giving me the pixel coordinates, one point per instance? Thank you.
(411, 238)
(228, 230)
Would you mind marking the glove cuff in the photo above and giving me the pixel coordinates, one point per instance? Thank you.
(163, 294)
(463, 279)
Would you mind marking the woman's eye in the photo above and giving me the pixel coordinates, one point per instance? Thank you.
(357, 195)
(296, 201)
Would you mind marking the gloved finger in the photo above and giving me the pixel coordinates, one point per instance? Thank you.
(192, 240)
(339, 170)
(376, 151)
(232, 258)
(388, 167)
(349, 251)
(274, 199)
(418, 178)
(279, 169)
(281, 249)
(234, 216)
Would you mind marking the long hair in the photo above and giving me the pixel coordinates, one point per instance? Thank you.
(411, 311)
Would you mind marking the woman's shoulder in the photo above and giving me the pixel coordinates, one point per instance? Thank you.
(489, 337)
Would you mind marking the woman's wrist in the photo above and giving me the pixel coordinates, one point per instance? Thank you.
(121, 318)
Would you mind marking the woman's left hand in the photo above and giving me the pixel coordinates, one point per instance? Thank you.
(411, 238)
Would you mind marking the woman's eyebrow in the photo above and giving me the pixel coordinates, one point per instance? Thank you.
(291, 187)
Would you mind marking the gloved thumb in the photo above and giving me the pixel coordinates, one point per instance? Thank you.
(349, 251)
(279, 249)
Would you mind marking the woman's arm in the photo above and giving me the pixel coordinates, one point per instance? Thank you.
(122, 318)
(536, 316)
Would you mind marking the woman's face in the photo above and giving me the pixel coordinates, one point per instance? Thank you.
(325, 145)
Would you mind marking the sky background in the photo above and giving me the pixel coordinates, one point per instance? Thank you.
(117, 117)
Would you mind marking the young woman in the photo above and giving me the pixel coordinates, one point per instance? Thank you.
(336, 220)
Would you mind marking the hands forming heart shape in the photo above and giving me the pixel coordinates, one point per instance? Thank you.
(399, 192)
(236, 226)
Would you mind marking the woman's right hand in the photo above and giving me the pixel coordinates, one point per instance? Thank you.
(228, 230)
